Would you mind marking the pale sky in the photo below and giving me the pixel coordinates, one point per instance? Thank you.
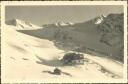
(40, 15)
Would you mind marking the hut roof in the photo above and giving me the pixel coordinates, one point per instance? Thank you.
(73, 56)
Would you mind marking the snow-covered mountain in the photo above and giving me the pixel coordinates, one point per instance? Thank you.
(100, 19)
(91, 23)
(87, 34)
(22, 25)
(62, 23)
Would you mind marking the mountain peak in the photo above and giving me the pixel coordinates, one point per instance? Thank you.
(100, 19)
(62, 23)
(20, 24)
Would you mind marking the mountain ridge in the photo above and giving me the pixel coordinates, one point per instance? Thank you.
(86, 34)
(21, 25)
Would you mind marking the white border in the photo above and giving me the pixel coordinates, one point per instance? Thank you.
(64, 2)
(67, 80)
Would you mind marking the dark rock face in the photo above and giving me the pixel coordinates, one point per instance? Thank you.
(57, 71)
(112, 30)
(11, 22)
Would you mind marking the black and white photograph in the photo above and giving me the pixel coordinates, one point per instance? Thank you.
(64, 41)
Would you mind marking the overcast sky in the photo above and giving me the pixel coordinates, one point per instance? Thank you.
(40, 15)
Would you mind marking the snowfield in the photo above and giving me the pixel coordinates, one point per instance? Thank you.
(29, 58)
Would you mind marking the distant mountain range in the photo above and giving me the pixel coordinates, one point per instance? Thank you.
(22, 25)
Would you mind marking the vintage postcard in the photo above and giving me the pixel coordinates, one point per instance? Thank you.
(64, 42)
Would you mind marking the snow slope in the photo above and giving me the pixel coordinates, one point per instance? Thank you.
(30, 58)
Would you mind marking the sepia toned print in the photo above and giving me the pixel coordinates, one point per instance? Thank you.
(71, 42)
